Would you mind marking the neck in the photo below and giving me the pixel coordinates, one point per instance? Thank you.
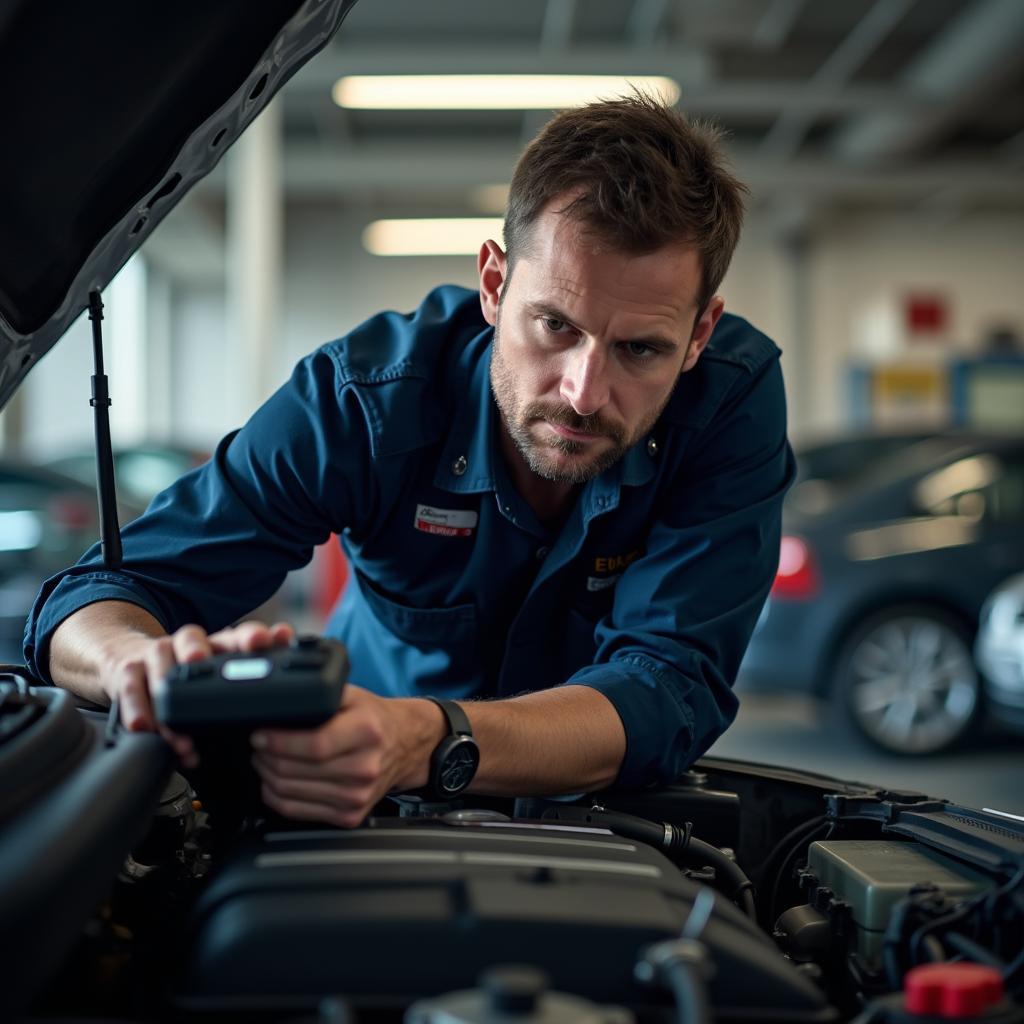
(549, 499)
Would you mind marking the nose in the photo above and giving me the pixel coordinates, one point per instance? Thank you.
(584, 379)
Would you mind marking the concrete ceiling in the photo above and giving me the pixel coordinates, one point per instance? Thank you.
(829, 103)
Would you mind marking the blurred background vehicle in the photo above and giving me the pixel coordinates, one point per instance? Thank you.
(47, 519)
(140, 471)
(999, 652)
(881, 580)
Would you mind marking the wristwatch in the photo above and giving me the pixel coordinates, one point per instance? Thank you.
(456, 758)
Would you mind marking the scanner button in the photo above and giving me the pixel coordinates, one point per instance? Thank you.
(246, 668)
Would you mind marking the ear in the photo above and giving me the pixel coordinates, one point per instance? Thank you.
(491, 265)
(701, 333)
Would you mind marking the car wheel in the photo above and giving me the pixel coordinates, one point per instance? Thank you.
(908, 681)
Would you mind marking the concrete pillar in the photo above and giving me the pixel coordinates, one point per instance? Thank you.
(160, 377)
(254, 232)
(792, 226)
(125, 340)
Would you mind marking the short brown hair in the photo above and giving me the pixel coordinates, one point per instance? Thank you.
(647, 176)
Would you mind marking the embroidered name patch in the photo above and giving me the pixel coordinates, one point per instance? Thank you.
(445, 522)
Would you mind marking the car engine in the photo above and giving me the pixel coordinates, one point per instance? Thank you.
(740, 893)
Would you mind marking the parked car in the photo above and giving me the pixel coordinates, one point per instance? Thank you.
(307, 596)
(880, 584)
(140, 471)
(999, 652)
(47, 519)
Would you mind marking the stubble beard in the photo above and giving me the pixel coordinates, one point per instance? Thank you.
(518, 421)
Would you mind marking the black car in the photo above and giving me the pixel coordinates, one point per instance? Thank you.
(47, 520)
(132, 892)
(882, 575)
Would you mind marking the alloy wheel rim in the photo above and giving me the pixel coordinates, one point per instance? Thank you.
(914, 687)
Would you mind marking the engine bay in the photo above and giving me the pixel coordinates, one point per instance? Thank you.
(740, 893)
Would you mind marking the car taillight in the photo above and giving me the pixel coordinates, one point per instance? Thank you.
(796, 577)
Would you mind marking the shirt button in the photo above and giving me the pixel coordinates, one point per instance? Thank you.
(508, 509)
(652, 447)
(542, 553)
(459, 465)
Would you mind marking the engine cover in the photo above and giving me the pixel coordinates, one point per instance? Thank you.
(415, 908)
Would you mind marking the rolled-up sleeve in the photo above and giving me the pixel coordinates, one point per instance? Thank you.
(218, 542)
(668, 653)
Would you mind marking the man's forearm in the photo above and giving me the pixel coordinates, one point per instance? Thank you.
(565, 740)
(84, 640)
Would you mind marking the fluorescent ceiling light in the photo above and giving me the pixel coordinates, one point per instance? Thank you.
(491, 92)
(430, 236)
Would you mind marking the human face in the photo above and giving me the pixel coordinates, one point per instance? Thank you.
(589, 344)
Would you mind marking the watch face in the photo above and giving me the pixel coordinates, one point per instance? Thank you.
(459, 767)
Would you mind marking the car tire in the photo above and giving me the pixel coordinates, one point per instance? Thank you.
(906, 680)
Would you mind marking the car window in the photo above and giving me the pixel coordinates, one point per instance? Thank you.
(146, 473)
(984, 485)
(846, 458)
(873, 462)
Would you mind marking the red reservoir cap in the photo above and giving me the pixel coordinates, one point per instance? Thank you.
(957, 991)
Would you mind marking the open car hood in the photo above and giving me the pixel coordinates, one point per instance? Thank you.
(113, 111)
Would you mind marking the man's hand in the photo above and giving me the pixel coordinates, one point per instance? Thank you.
(372, 746)
(133, 668)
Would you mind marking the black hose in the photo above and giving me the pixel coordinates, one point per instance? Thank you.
(799, 837)
(681, 847)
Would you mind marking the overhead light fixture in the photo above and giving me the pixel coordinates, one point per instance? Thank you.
(491, 92)
(430, 236)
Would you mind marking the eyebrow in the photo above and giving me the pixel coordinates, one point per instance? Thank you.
(654, 340)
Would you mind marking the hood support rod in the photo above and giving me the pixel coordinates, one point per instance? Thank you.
(110, 540)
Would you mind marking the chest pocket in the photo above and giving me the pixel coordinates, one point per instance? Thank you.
(422, 626)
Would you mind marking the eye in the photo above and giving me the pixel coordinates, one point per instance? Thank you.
(640, 350)
(554, 325)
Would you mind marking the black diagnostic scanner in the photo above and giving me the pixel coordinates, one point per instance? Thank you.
(293, 687)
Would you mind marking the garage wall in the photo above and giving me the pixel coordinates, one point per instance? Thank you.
(857, 265)
(850, 264)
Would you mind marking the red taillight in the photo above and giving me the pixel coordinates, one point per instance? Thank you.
(796, 578)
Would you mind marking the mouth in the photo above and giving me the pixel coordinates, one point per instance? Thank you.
(572, 435)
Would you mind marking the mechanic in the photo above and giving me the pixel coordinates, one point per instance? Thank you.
(560, 500)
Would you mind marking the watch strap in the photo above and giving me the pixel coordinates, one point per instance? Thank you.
(457, 719)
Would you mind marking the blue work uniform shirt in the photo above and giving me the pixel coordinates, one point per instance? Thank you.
(648, 592)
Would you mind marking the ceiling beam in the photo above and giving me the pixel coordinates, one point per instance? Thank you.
(556, 31)
(788, 133)
(777, 22)
(976, 54)
(313, 171)
(645, 20)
